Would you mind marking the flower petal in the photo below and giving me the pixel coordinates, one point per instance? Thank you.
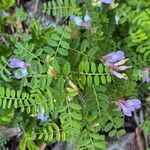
(78, 21)
(20, 73)
(121, 68)
(126, 110)
(146, 79)
(41, 117)
(106, 1)
(119, 75)
(17, 63)
(121, 62)
(133, 104)
(87, 18)
(114, 57)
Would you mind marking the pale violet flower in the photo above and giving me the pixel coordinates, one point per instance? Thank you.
(118, 67)
(113, 57)
(115, 61)
(20, 73)
(86, 22)
(17, 63)
(146, 75)
(129, 106)
(21, 65)
(41, 117)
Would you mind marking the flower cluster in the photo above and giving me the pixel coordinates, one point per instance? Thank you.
(129, 106)
(86, 22)
(21, 67)
(115, 61)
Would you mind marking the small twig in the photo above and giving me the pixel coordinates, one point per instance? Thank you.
(18, 2)
(141, 116)
(142, 120)
(35, 7)
(139, 139)
(136, 118)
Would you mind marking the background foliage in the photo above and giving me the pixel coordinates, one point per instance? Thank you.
(67, 76)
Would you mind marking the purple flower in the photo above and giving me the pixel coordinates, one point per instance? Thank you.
(129, 106)
(87, 18)
(16, 63)
(146, 75)
(113, 57)
(22, 67)
(86, 22)
(41, 117)
(20, 73)
(118, 67)
(106, 1)
(115, 61)
(78, 21)
(119, 75)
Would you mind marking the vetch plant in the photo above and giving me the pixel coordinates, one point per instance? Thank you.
(68, 73)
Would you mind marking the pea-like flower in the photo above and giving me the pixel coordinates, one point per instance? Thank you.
(16, 63)
(118, 67)
(22, 67)
(146, 75)
(41, 117)
(86, 22)
(129, 106)
(115, 61)
(113, 57)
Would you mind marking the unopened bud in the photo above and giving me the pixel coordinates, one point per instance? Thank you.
(52, 71)
(125, 76)
(49, 58)
(72, 85)
(95, 125)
